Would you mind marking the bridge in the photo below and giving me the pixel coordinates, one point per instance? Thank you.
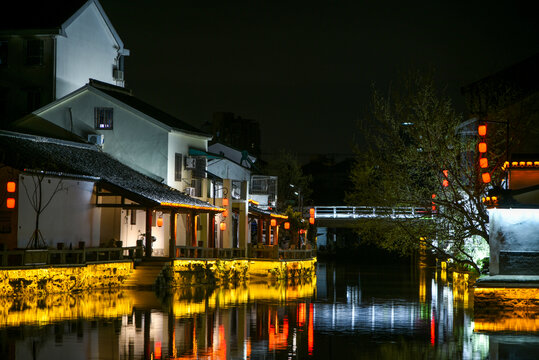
(343, 216)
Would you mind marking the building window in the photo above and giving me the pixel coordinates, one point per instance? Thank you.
(3, 52)
(33, 99)
(197, 184)
(133, 216)
(178, 163)
(103, 118)
(34, 52)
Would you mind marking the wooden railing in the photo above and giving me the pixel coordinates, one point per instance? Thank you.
(253, 252)
(31, 257)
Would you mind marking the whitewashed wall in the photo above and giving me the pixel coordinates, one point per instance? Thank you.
(180, 143)
(71, 216)
(227, 169)
(134, 140)
(512, 230)
(88, 51)
(130, 233)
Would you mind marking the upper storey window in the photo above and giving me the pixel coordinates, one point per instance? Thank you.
(34, 52)
(103, 118)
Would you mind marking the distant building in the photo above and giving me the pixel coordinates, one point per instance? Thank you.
(511, 94)
(49, 49)
(235, 131)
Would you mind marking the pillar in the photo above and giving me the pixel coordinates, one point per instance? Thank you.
(172, 237)
(204, 220)
(243, 222)
(226, 238)
(148, 232)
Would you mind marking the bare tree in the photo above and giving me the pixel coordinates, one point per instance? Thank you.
(39, 202)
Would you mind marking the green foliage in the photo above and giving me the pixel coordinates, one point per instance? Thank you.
(410, 137)
(288, 170)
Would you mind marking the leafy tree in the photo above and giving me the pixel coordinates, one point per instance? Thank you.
(412, 141)
(288, 170)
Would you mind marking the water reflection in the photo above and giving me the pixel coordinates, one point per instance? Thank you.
(349, 311)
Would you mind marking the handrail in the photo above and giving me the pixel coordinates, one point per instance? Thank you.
(353, 212)
(33, 257)
(259, 252)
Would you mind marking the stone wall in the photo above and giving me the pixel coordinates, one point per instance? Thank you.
(63, 279)
(496, 299)
(198, 272)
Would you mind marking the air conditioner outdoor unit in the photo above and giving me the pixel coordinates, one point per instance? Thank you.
(96, 139)
(189, 191)
(118, 75)
(190, 163)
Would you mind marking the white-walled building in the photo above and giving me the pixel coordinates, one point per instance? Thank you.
(49, 49)
(86, 196)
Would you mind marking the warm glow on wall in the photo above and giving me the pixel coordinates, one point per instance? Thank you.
(287, 225)
(10, 203)
(222, 226)
(11, 186)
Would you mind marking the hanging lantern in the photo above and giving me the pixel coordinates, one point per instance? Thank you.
(287, 225)
(11, 186)
(159, 221)
(311, 212)
(311, 221)
(10, 203)
(222, 226)
(486, 177)
(482, 130)
(483, 163)
(225, 201)
(225, 213)
(482, 147)
(273, 222)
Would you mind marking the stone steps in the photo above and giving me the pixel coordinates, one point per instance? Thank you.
(145, 274)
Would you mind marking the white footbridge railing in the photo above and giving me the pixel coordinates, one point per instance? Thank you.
(365, 212)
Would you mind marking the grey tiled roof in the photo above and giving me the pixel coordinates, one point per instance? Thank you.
(62, 157)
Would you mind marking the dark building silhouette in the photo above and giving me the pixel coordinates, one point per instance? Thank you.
(235, 131)
(331, 180)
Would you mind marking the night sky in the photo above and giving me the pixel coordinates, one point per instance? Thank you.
(304, 70)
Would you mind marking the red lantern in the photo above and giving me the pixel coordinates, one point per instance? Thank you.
(160, 222)
(225, 201)
(486, 177)
(11, 186)
(483, 163)
(311, 212)
(445, 183)
(10, 203)
(482, 147)
(482, 130)
(311, 221)
(273, 222)
(287, 225)
(225, 213)
(222, 226)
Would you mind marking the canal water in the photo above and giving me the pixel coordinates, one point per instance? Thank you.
(349, 311)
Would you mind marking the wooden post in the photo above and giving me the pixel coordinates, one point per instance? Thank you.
(172, 240)
(148, 232)
(192, 225)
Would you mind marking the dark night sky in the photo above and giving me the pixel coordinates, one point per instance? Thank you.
(304, 70)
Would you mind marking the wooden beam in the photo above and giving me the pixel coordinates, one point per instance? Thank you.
(148, 232)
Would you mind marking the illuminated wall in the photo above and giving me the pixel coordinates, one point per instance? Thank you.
(191, 272)
(514, 241)
(88, 50)
(66, 279)
(69, 218)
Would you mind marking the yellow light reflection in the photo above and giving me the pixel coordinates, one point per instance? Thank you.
(39, 310)
(507, 321)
